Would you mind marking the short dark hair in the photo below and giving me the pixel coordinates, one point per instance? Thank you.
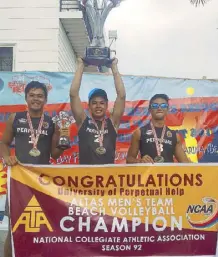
(36, 84)
(162, 96)
(97, 92)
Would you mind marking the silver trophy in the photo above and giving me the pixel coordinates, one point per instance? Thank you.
(97, 53)
(63, 120)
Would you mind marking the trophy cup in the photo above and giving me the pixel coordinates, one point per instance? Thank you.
(63, 120)
(97, 53)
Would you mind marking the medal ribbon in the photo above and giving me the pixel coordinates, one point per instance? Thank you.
(100, 131)
(156, 139)
(34, 138)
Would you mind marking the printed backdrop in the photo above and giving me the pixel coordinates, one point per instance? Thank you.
(193, 111)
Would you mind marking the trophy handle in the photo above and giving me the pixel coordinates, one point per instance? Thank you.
(109, 62)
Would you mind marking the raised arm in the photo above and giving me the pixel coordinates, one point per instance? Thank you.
(6, 141)
(119, 104)
(75, 102)
(180, 153)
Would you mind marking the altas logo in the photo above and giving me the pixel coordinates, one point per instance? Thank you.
(33, 218)
(202, 216)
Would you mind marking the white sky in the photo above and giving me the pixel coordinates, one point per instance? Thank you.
(169, 38)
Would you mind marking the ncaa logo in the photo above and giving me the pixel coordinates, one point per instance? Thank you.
(202, 216)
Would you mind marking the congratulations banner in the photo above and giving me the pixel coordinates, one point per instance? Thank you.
(67, 211)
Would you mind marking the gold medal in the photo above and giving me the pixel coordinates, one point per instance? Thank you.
(100, 150)
(159, 159)
(34, 152)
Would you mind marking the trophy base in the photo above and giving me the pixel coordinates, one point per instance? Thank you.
(98, 56)
(64, 143)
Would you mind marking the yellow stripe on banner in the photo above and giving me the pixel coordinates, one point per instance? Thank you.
(179, 194)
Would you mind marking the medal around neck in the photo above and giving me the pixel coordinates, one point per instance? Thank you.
(159, 159)
(34, 152)
(100, 150)
(159, 145)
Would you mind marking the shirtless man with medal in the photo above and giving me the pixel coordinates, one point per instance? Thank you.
(155, 142)
(35, 134)
(97, 132)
